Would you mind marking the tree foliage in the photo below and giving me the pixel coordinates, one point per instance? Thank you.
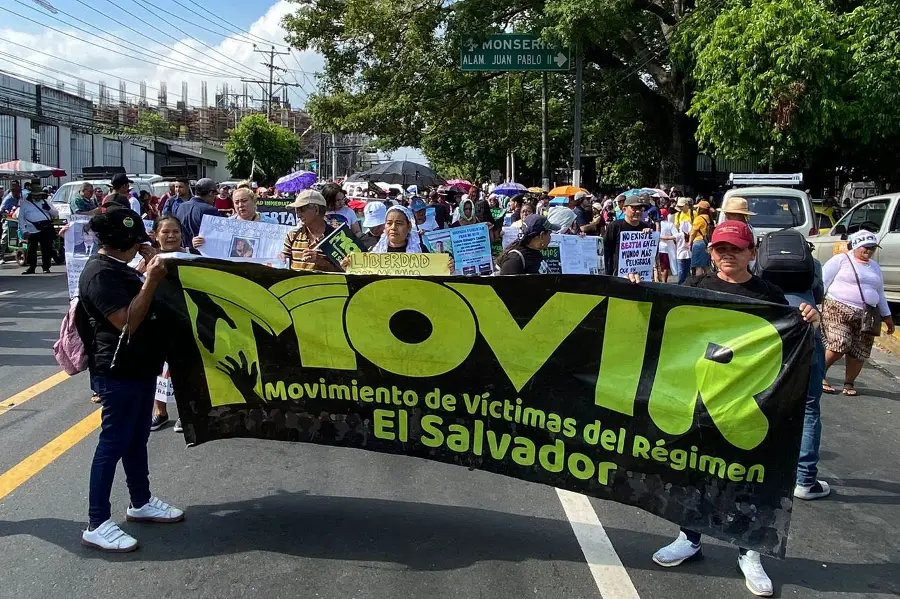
(260, 149)
(151, 124)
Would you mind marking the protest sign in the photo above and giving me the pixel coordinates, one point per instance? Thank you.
(165, 392)
(552, 262)
(577, 255)
(79, 245)
(397, 263)
(243, 240)
(683, 402)
(637, 253)
(339, 244)
(470, 247)
(277, 208)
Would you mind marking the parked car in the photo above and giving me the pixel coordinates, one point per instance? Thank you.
(880, 215)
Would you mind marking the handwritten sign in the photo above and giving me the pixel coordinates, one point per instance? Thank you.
(637, 253)
(577, 255)
(396, 263)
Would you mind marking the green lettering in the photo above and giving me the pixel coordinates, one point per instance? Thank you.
(580, 466)
(736, 472)
(497, 449)
(715, 466)
(338, 392)
(522, 351)
(624, 342)
(384, 422)
(295, 391)
(431, 433)
(368, 318)
(745, 361)
(533, 417)
(275, 391)
(755, 473)
(458, 438)
(552, 457)
(523, 453)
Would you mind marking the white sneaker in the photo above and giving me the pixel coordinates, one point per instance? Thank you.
(677, 552)
(817, 490)
(154, 511)
(109, 537)
(755, 576)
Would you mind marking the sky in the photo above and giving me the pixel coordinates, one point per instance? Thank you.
(173, 41)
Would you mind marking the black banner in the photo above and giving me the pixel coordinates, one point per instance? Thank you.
(686, 403)
(277, 208)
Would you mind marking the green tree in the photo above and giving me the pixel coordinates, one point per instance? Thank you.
(261, 149)
(151, 124)
(391, 69)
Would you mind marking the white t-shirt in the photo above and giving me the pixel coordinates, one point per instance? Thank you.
(135, 205)
(346, 213)
(683, 250)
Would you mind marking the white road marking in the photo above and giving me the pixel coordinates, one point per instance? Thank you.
(7, 292)
(611, 577)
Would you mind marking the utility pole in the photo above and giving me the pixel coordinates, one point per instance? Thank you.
(545, 147)
(269, 86)
(576, 142)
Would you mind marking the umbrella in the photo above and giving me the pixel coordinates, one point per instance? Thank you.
(403, 172)
(6, 173)
(296, 181)
(656, 191)
(536, 189)
(559, 201)
(462, 183)
(566, 190)
(32, 169)
(355, 178)
(510, 189)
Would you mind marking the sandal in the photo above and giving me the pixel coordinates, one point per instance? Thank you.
(849, 390)
(95, 398)
(827, 388)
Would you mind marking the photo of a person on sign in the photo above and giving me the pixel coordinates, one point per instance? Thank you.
(242, 247)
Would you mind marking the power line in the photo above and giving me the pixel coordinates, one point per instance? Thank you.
(272, 68)
(237, 29)
(114, 51)
(143, 34)
(243, 68)
(288, 70)
(168, 33)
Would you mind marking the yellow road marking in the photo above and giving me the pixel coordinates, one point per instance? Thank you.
(43, 457)
(32, 391)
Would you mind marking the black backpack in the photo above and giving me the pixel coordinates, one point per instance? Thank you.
(784, 259)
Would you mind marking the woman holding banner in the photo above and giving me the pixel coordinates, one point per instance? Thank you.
(125, 345)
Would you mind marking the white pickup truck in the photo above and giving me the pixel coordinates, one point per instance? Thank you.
(880, 215)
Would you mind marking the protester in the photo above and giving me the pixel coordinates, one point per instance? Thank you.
(620, 207)
(300, 244)
(420, 212)
(685, 213)
(736, 208)
(244, 202)
(562, 219)
(223, 202)
(732, 248)
(853, 285)
(466, 214)
(161, 204)
(586, 221)
(12, 198)
(526, 211)
(337, 210)
(441, 210)
(668, 248)
(191, 213)
(36, 216)
(701, 229)
(124, 345)
(374, 217)
(180, 195)
(167, 235)
(612, 238)
(83, 202)
(148, 210)
(398, 234)
(118, 196)
(523, 256)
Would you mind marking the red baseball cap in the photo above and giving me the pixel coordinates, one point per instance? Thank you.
(735, 232)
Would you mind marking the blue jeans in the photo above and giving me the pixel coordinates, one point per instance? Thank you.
(125, 428)
(684, 270)
(807, 466)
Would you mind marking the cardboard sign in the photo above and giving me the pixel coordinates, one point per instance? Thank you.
(397, 263)
(637, 253)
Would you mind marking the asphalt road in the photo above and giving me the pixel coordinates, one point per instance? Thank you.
(267, 519)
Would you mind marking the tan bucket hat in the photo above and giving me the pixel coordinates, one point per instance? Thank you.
(737, 205)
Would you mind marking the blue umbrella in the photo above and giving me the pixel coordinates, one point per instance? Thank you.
(560, 201)
(296, 181)
(510, 189)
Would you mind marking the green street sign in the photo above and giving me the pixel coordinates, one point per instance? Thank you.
(512, 52)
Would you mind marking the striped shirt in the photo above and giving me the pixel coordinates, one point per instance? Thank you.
(298, 241)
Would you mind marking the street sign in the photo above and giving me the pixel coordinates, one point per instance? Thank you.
(512, 52)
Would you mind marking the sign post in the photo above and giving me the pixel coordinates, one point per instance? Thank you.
(512, 52)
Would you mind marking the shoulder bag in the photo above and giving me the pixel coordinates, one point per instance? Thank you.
(870, 320)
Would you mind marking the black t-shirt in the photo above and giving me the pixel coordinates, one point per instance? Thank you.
(755, 288)
(583, 217)
(441, 214)
(401, 249)
(515, 265)
(105, 287)
(611, 241)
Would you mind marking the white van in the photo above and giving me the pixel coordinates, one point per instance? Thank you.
(777, 206)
